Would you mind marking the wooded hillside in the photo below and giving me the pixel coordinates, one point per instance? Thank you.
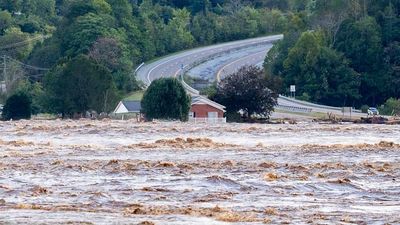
(337, 52)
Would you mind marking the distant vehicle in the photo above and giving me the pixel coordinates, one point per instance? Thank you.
(373, 111)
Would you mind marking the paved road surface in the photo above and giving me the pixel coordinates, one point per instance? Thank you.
(231, 67)
(173, 65)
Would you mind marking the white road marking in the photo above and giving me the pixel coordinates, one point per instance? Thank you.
(238, 60)
(212, 49)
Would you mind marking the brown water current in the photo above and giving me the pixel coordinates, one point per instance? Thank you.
(122, 172)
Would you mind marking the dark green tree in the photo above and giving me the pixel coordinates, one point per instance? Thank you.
(5, 21)
(18, 106)
(320, 72)
(392, 62)
(177, 34)
(277, 55)
(166, 98)
(246, 90)
(275, 4)
(80, 85)
(82, 34)
(204, 28)
(11, 5)
(361, 42)
(8, 40)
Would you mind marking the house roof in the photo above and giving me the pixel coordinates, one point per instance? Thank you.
(128, 107)
(132, 106)
(198, 100)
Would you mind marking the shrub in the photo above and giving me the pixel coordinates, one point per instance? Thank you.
(364, 108)
(391, 107)
(304, 97)
(18, 106)
(166, 98)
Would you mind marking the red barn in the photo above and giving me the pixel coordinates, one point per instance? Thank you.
(205, 110)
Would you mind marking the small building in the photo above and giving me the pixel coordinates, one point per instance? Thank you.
(129, 109)
(205, 110)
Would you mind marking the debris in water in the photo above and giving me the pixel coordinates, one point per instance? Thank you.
(271, 176)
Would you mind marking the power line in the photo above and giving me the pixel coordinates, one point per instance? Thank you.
(40, 72)
(24, 42)
(26, 65)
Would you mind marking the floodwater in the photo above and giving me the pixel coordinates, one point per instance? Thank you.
(122, 172)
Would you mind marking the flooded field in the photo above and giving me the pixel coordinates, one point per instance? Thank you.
(121, 172)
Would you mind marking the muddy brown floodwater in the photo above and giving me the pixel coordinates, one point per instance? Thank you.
(121, 172)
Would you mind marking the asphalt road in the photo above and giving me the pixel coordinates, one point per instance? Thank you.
(172, 66)
(248, 60)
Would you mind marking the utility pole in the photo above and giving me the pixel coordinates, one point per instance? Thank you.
(2, 85)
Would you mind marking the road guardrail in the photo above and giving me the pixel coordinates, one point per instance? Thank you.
(294, 108)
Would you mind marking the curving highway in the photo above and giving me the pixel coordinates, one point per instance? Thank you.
(218, 61)
(174, 64)
(251, 59)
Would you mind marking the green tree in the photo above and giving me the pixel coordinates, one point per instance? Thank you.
(46, 54)
(43, 8)
(329, 15)
(79, 85)
(15, 44)
(361, 42)
(271, 21)
(391, 107)
(153, 29)
(204, 28)
(34, 91)
(246, 90)
(80, 35)
(74, 9)
(18, 106)
(11, 5)
(166, 98)
(392, 62)
(275, 58)
(275, 4)
(320, 72)
(5, 21)
(177, 34)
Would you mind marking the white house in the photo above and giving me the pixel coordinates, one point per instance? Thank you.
(128, 107)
